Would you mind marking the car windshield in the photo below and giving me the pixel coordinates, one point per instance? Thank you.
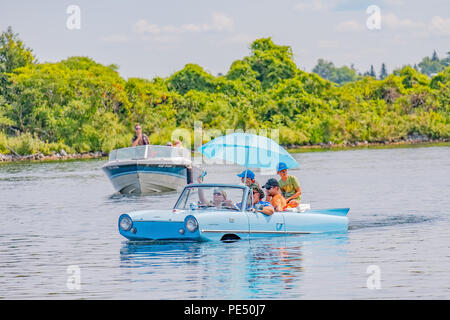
(211, 198)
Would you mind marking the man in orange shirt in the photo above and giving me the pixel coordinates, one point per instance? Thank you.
(274, 195)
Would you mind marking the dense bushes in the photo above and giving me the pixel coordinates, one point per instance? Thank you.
(80, 105)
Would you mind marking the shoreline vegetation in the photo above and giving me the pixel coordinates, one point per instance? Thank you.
(55, 156)
(410, 143)
(78, 108)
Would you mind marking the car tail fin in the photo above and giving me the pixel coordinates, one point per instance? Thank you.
(334, 212)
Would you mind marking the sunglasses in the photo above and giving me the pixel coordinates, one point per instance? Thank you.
(138, 128)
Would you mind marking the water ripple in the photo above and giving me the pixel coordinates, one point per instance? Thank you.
(60, 215)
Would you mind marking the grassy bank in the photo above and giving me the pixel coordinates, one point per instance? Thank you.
(62, 155)
(376, 145)
(26, 147)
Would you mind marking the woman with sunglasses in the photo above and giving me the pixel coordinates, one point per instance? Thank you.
(258, 204)
(219, 200)
(139, 139)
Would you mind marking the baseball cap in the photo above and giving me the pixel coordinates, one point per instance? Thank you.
(257, 189)
(281, 166)
(250, 174)
(271, 183)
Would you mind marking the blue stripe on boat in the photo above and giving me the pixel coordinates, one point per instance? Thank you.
(179, 172)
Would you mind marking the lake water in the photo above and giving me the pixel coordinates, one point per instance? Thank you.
(59, 220)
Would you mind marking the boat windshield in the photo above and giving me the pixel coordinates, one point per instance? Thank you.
(211, 198)
(149, 152)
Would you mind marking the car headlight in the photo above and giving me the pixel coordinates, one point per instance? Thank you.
(191, 224)
(125, 222)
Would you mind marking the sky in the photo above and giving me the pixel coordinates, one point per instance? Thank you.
(157, 38)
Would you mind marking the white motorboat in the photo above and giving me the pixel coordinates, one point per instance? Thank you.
(149, 169)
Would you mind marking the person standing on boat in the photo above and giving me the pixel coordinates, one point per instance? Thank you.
(274, 195)
(289, 186)
(139, 139)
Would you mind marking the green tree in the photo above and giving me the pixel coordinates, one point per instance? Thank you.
(271, 62)
(383, 72)
(431, 66)
(13, 53)
(343, 75)
(64, 102)
(372, 72)
(324, 68)
(446, 61)
(191, 77)
(327, 70)
(434, 57)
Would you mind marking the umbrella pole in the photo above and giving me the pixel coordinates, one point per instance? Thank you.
(247, 155)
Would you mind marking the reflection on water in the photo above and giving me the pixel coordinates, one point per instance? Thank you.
(256, 269)
(274, 268)
(61, 214)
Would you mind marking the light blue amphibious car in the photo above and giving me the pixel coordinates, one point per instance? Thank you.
(206, 212)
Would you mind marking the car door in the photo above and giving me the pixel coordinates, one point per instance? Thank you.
(264, 225)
